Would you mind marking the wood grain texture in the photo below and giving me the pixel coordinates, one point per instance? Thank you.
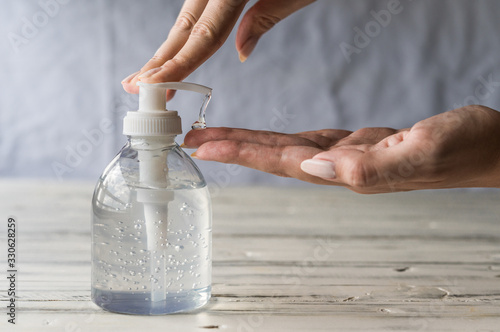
(304, 259)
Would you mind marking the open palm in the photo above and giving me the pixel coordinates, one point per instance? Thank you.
(459, 148)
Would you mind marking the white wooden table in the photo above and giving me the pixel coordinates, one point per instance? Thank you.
(320, 259)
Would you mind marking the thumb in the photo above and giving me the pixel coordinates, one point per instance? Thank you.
(382, 169)
(261, 18)
(344, 166)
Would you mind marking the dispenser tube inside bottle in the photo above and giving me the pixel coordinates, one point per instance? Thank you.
(153, 172)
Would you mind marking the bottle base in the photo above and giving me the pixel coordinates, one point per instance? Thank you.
(139, 303)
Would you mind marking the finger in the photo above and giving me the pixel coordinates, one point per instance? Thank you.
(369, 136)
(395, 168)
(326, 137)
(206, 37)
(188, 16)
(195, 138)
(277, 160)
(260, 19)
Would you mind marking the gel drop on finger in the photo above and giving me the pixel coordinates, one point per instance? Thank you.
(151, 213)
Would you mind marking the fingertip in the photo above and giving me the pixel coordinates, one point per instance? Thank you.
(130, 88)
(129, 78)
(247, 36)
(246, 49)
(203, 152)
(188, 146)
(170, 94)
(192, 139)
(242, 57)
(170, 71)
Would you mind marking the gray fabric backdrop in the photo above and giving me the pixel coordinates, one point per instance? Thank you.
(62, 61)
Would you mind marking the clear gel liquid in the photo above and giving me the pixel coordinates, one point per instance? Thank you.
(173, 276)
(201, 123)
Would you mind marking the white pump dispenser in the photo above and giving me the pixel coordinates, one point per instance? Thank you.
(151, 122)
(155, 191)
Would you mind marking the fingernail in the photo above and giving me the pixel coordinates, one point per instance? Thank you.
(193, 155)
(242, 58)
(320, 168)
(129, 77)
(247, 48)
(184, 146)
(150, 73)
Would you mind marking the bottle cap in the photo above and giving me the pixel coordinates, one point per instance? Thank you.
(152, 118)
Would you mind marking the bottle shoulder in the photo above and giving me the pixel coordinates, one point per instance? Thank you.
(167, 167)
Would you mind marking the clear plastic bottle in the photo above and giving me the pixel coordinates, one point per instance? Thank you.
(151, 213)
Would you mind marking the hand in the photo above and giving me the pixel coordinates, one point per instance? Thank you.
(459, 148)
(201, 29)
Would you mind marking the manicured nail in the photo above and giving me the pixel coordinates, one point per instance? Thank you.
(185, 146)
(247, 48)
(320, 168)
(150, 73)
(193, 155)
(129, 77)
(242, 58)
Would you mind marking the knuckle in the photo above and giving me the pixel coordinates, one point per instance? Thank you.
(280, 168)
(266, 137)
(243, 151)
(230, 152)
(185, 22)
(265, 22)
(157, 58)
(360, 176)
(207, 31)
(179, 62)
(363, 132)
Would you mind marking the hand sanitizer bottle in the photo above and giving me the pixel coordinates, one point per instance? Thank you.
(151, 216)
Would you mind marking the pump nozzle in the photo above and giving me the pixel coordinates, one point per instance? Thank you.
(152, 97)
(152, 118)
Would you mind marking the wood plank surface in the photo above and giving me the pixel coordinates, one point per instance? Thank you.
(284, 259)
